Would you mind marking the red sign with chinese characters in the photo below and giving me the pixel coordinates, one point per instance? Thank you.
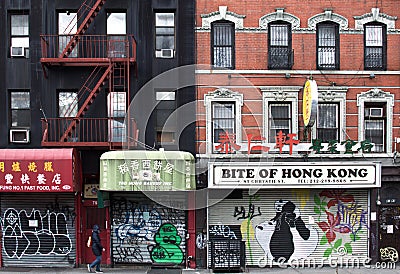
(36, 170)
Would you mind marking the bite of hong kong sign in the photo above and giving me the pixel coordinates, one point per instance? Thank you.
(299, 175)
(288, 143)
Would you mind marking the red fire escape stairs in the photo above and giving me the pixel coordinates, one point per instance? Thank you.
(89, 100)
(93, 11)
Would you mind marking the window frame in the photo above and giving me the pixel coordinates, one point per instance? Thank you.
(320, 127)
(19, 36)
(272, 120)
(167, 102)
(222, 95)
(383, 47)
(336, 47)
(271, 48)
(227, 24)
(26, 110)
(278, 95)
(157, 50)
(376, 96)
(382, 119)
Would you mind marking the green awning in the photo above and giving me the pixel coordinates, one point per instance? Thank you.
(142, 170)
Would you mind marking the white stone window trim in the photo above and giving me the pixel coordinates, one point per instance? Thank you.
(279, 15)
(222, 95)
(376, 95)
(333, 95)
(328, 15)
(375, 16)
(280, 95)
(221, 14)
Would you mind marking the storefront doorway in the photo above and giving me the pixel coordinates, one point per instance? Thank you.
(389, 233)
(93, 215)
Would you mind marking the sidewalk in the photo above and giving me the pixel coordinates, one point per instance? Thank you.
(144, 270)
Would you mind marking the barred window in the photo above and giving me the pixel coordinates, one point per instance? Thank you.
(223, 44)
(327, 46)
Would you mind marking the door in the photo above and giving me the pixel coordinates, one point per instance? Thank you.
(389, 233)
(93, 215)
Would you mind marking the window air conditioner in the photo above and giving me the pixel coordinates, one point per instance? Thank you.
(19, 136)
(375, 112)
(167, 53)
(17, 51)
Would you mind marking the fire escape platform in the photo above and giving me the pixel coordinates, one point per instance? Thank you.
(79, 62)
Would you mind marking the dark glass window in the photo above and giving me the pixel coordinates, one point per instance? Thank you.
(20, 109)
(374, 125)
(327, 46)
(279, 120)
(280, 53)
(19, 35)
(223, 119)
(223, 44)
(375, 47)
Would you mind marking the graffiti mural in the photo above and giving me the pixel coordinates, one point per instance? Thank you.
(286, 235)
(136, 226)
(343, 216)
(291, 225)
(30, 234)
(166, 249)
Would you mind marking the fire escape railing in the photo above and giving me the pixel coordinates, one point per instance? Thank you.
(89, 47)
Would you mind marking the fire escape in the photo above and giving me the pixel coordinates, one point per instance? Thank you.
(111, 60)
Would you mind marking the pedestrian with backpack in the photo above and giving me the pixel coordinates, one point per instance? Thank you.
(97, 249)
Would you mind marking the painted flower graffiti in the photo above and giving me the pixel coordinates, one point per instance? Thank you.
(341, 219)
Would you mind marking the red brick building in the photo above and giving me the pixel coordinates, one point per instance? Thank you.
(298, 169)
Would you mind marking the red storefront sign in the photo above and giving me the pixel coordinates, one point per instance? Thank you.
(37, 170)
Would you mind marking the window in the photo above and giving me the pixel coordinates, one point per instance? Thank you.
(375, 47)
(165, 34)
(328, 122)
(223, 44)
(223, 119)
(67, 27)
(280, 53)
(375, 112)
(19, 35)
(67, 104)
(279, 119)
(327, 46)
(116, 35)
(20, 109)
(116, 111)
(165, 117)
(223, 115)
(374, 125)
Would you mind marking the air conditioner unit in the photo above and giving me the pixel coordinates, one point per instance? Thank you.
(375, 112)
(19, 136)
(17, 51)
(167, 53)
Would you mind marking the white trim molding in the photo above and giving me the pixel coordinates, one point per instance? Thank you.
(376, 95)
(327, 94)
(222, 95)
(375, 16)
(283, 95)
(281, 15)
(222, 14)
(328, 15)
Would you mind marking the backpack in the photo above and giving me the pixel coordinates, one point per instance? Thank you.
(89, 241)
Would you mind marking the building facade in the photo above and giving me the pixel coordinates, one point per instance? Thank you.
(297, 132)
(70, 71)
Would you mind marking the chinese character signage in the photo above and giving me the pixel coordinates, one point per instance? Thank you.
(295, 175)
(288, 143)
(36, 170)
(147, 171)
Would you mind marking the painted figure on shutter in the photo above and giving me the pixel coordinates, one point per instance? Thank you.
(286, 235)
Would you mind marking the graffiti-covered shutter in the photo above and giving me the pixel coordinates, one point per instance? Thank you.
(38, 229)
(144, 231)
(293, 224)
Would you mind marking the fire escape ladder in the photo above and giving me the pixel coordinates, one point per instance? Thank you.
(92, 94)
(92, 13)
(118, 82)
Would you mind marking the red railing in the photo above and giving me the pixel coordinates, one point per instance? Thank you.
(89, 46)
(89, 131)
